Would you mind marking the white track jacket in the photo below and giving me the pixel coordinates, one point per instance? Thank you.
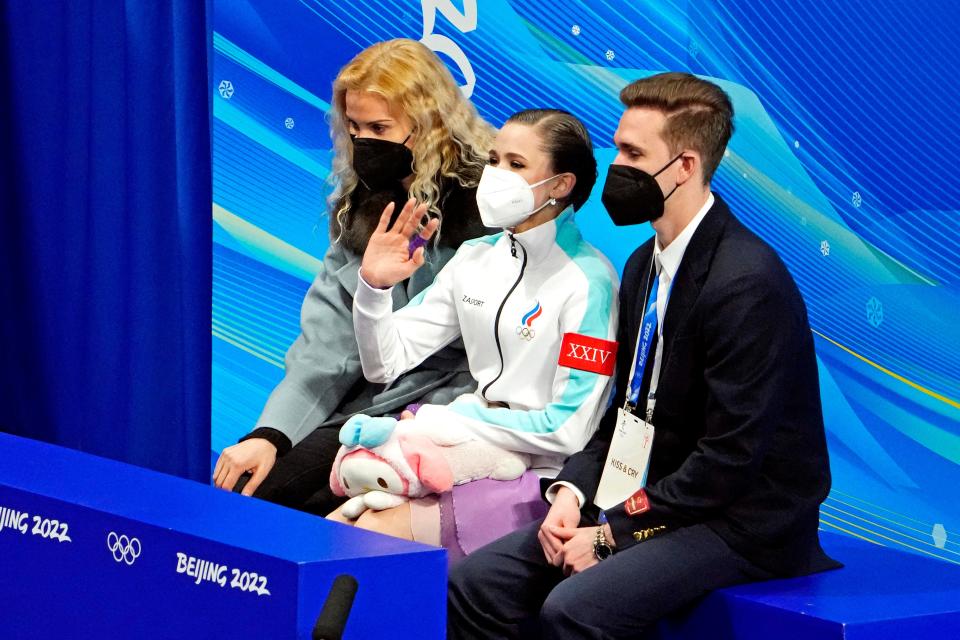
(520, 317)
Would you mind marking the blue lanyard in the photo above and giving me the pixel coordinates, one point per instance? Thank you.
(648, 330)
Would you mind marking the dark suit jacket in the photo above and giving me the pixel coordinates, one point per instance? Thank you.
(739, 442)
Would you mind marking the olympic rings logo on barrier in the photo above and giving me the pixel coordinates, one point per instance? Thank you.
(124, 549)
(526, 333)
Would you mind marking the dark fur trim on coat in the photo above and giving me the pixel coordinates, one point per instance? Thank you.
(461, 219)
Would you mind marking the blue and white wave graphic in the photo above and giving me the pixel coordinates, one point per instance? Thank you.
(842, 160)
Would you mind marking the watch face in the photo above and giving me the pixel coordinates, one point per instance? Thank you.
(602, 551)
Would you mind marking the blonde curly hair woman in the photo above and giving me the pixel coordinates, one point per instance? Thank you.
(401, 128)
(447, 142)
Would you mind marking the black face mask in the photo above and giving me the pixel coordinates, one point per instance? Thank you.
(632, 196)
(381, 163)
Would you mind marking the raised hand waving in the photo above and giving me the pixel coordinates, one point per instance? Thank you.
(388, 259)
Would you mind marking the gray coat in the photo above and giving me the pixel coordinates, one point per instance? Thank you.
(323, 384)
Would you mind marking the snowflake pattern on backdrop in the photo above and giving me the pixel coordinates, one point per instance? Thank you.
(225, 89)
(939, 535)
(874, 312)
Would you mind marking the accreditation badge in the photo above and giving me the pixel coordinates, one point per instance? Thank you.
(628, 459)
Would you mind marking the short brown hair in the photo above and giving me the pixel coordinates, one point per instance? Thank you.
(699, 113)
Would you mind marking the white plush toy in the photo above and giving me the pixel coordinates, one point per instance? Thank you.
(383, 463)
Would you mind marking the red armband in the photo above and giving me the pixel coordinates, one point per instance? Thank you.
(588, 354)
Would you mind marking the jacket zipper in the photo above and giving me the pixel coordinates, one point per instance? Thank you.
(496, 322)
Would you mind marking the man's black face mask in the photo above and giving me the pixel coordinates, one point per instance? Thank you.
(632, 196)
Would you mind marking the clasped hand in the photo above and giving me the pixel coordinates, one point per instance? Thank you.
(388, 259)
(565, 545)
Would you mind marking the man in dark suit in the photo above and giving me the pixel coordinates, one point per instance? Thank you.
(716, 358)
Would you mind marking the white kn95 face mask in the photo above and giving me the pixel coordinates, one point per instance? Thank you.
(505, 199)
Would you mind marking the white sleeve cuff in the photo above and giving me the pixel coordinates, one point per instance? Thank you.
(371, 301)
(551, 493)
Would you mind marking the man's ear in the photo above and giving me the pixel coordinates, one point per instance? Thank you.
(563, 186)
(690, 166)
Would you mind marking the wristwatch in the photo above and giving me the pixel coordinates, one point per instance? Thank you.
(600, 547)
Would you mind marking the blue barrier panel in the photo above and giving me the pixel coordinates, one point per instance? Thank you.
(93, 548)
(880, 594)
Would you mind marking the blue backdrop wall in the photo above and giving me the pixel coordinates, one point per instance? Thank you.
(105, 229)
(842, 159)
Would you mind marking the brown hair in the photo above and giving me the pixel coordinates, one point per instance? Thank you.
(568, 144)
(699, 113)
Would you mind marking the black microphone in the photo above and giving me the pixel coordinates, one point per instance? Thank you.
(333, 617)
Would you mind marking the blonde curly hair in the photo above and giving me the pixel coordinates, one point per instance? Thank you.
(451, 140)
